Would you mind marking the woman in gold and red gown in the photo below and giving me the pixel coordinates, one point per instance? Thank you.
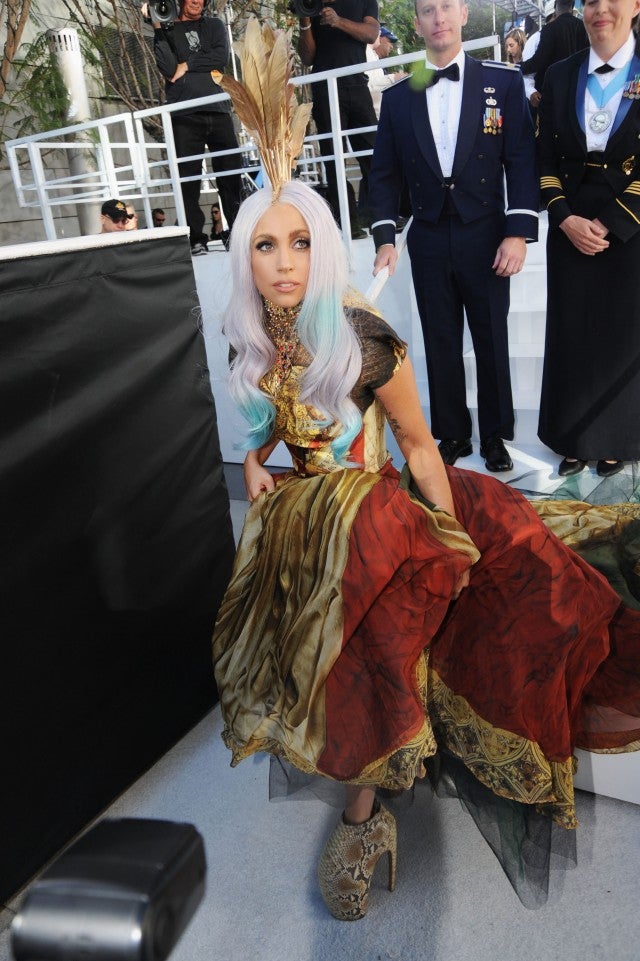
(376, 620)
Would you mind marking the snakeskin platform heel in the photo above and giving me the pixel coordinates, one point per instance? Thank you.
(349, 860)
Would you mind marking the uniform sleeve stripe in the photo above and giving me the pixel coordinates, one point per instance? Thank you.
(529, 213)
(631, 214)
(379, 223)
(553, 199)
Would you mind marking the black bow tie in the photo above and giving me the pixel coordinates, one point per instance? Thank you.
(452, 72)
(605, 68)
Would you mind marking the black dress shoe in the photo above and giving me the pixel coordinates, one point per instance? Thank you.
(567, 468)
(495, 454)
(608, 470)
(450, 450)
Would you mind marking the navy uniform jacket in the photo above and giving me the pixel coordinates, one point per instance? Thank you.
(562, 149)
(405, 150)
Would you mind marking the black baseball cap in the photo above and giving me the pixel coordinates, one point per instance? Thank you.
(116, 209)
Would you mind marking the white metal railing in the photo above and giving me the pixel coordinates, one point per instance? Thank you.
(122, 162)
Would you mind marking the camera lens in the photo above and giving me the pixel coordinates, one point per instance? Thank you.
(307, 8)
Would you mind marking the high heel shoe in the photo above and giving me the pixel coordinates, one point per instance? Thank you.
(349, 860)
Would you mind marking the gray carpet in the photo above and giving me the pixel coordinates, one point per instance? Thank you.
(451, 902)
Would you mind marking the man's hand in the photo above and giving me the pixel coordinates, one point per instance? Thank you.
(510, 256)
(586, 235)
(144, 10)
(386, 256)
(365, 30)
(181, 69)
(329, 17)
(535, 98)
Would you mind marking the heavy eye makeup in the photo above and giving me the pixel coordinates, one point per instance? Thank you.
(298, 242)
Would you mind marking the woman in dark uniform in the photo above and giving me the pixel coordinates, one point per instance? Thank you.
(589, 153)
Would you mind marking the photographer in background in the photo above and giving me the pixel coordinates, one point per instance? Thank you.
(186, 52)
(337, 36)
(378, 80)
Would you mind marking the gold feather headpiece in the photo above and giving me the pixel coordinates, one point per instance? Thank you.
(265, 101)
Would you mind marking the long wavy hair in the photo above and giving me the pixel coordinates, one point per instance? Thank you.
(520, 38)
(322, 327)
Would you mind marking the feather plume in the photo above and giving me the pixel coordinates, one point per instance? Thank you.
(265, 101)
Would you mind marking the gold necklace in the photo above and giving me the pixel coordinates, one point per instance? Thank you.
(281, 326)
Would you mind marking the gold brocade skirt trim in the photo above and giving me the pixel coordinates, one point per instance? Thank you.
(396, 771)
(625, 749)
(577, 523)
(509, 765)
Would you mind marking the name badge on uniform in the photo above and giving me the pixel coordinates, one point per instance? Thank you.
(492, 117)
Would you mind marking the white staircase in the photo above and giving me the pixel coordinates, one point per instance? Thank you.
(526, 343)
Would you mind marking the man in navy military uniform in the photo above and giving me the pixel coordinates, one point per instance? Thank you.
(454, 131)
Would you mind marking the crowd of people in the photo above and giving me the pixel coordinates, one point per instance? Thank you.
(446, 159)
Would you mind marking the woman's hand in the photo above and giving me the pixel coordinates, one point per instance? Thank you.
(587, 236)
(463, 581)
(257, 478)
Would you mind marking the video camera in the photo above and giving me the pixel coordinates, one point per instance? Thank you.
(305, 8)
(164, 12)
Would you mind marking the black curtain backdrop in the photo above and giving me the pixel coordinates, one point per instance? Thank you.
(115, 533)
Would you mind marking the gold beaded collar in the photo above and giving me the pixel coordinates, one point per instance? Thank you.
(280, 324)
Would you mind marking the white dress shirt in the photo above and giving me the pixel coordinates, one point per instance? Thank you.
(444, 102)
(530, 48)
(619, 61)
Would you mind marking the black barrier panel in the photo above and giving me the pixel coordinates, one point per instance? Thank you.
(115, 534)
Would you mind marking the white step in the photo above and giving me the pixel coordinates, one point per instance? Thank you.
(525, 363)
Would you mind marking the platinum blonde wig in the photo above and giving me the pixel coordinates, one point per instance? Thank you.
(322, 326)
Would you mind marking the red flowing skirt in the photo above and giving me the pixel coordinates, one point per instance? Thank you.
(339, 647)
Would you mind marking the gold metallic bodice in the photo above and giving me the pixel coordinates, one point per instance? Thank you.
(298, 424)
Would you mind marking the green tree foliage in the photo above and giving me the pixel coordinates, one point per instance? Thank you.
(38, 99)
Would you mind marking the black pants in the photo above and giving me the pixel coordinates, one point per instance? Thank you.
(194, 133)
(356, 110)
(452, 275)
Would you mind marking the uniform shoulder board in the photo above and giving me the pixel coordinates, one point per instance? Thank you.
(498, 65)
